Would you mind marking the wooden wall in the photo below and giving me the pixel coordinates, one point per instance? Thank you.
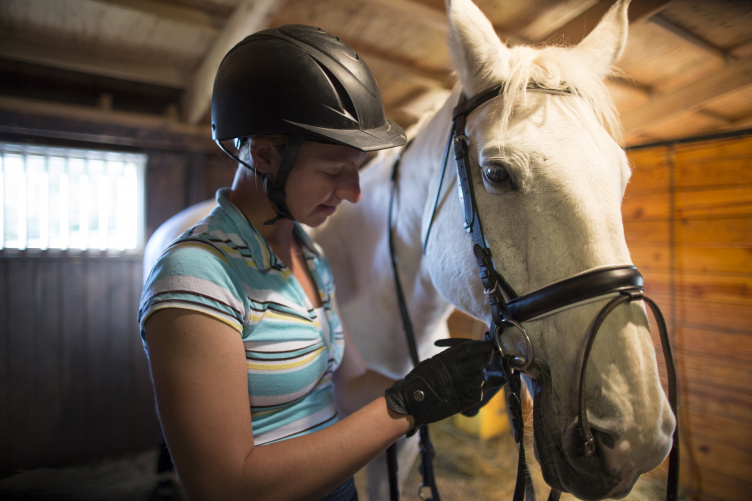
(74, 379)
(74, 383)
(688, 222)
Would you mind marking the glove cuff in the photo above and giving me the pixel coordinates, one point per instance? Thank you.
(413, 397)
(394, 401)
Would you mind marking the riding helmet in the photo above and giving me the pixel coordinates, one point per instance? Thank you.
(300, 81)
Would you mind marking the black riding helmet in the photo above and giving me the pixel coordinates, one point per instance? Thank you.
(302, 82)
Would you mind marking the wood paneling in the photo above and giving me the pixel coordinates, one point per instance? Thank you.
(69, 338)
(74, 380)
(688, 221)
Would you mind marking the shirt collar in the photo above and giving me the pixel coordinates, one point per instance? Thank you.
(260, 250)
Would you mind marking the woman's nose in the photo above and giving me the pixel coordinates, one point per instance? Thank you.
(349, 187)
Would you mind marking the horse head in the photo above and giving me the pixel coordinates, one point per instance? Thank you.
(549, 176)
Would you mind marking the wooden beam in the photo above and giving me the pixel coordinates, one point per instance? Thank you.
(553, 18)
(97, 115)
(690, 97)
(418, 11)
(249, 17)
(164, 75)
(690, 37)
(416, 76)
(175, 13)
(29, 117)
(576, 29)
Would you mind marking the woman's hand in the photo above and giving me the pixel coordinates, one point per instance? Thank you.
(443, 385)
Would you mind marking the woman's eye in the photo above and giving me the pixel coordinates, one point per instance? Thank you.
(332, 174)
(496, 175)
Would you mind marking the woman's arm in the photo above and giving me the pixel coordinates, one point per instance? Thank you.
(199, 374)
(354, 384)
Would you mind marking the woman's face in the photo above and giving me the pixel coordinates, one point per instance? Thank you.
(323, 176)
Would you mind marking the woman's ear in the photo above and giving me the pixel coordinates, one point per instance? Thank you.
(263, 156)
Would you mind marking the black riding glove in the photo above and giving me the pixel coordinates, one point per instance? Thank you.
(495, 379)
(443, 385)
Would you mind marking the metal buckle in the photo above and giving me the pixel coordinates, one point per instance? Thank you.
(488, 292)
(519, 363)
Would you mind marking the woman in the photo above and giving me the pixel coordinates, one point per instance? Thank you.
(248, 358)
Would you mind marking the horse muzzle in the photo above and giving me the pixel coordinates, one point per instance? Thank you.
(615, 466)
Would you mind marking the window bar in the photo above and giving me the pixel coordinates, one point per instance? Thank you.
(104, 199)
(23, 186)
(132, 207)
(58, 199)
(84, 202)
(44, 209)
(64, 212)
(2, 196)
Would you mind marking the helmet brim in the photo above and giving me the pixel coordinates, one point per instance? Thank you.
(388, 135)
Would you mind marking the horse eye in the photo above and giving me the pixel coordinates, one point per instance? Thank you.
(496, 175)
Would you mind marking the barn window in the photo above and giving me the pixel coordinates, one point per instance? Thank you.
(70, 199)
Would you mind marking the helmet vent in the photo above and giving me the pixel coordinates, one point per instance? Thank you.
(348, 108)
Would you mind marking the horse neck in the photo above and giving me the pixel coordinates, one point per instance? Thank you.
(416, 181)
(356, 243)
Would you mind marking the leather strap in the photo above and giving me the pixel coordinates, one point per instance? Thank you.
(277, 193)
(426, 447)
(592, 285)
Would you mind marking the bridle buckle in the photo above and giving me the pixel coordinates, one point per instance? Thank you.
(520, 363)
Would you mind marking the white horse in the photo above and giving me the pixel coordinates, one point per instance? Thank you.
(549, 176)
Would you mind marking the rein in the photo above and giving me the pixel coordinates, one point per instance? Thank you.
(425, 445)
(623, 283)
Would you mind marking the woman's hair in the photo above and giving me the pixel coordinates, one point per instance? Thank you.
(278, 140)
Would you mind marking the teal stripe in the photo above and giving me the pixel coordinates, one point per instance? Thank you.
(230, 272)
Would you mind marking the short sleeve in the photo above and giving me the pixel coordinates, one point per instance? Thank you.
(194, 275)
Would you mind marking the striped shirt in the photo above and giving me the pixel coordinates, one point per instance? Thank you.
(223, 268)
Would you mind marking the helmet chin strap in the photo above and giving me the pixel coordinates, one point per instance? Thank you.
(276, 192)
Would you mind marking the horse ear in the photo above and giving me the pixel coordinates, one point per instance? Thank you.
(605, 44)
(474, 45)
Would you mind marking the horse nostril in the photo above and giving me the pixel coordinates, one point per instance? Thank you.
(603, 438)
(582, 446)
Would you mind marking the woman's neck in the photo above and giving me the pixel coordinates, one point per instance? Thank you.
(247, 193)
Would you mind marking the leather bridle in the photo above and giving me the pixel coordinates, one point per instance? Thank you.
(624, 284)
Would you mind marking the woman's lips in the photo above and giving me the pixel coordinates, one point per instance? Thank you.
(328, 210)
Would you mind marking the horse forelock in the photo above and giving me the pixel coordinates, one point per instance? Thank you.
(557, 68)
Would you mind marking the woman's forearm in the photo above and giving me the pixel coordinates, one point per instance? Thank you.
(354, 393)
(310, 466)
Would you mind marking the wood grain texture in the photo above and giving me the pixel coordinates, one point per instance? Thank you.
(688, 221)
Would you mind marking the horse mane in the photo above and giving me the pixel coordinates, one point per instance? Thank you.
(558, 68)
(552, 67)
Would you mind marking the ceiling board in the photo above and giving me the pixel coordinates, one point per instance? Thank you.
(686, 64)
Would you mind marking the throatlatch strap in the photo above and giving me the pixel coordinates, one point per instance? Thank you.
(426, 447)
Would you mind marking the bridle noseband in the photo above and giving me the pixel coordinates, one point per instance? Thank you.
(624, 284)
